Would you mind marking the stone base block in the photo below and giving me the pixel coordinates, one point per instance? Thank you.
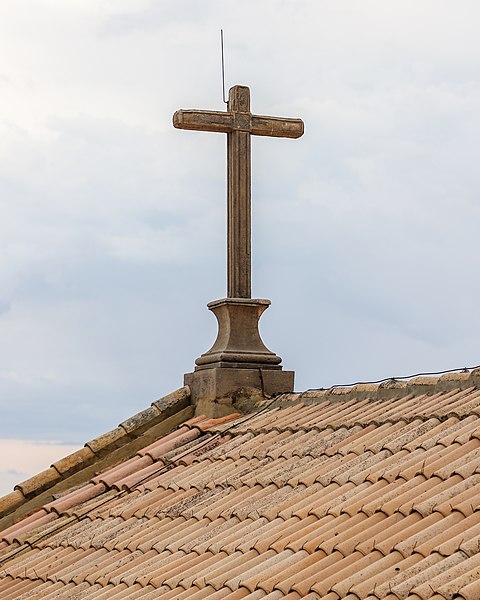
(220, 391)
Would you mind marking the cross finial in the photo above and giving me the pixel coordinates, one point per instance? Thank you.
(238, 363)
(239, 124)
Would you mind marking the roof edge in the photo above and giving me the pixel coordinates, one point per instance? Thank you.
(97, 448)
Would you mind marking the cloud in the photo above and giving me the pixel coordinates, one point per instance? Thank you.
(113, 223)
(20, 459)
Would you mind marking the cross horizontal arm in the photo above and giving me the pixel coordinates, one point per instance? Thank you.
(277, 126)
(226, 122)
(203, 120)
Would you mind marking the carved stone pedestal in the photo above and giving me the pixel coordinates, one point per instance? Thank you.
(239, 369)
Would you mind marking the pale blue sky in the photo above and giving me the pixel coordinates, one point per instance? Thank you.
(113, 223)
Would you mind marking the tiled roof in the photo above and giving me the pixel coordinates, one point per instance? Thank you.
(370, 493)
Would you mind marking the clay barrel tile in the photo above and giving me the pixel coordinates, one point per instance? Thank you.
(174, 401)
(140, 422)
(11, 501)
(470, 591)
(74, 462)
(38, 483)
(107, 442)
(423, 572)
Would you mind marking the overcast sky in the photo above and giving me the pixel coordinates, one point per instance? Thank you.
(112, 230)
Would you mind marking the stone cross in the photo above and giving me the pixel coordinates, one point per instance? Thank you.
(239, 124)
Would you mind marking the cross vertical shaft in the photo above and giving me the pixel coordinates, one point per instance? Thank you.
(239, 265)
(239, 124)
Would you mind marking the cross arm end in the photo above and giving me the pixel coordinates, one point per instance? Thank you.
(203, 120)
(277, 126)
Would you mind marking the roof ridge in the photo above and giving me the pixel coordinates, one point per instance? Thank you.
(387, 389)
(100, 448)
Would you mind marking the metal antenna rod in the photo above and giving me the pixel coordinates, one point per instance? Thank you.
(223, 67)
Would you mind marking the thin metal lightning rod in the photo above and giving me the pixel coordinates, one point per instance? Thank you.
(223, 68)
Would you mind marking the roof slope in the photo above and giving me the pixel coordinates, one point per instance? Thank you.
(366, 493)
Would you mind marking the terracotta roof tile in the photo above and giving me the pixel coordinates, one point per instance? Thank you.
(401, 494)
(424, 572)
(339, 572)
(402, 433)
(21, 588)
(11, 501)
(17, 532)
(228, 571)
(267, 534)
(294, 533)
(239, 531)
(168, 594)
(431, 438)
(39, 482)
(264, 421)
(470, 591)
(363, 495)
(329, 530)
(467, 502)
(302, 581)
(371, 493)
(154, 564)
(464, 404)
(110, 591)
(465, 466)
(264, 570)
(447, 582)
(312, 499)
(365, 579)
(446, 494)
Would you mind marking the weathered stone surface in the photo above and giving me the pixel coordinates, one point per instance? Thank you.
(239, 124)
(142, 420)
(226, 122)
(238, 344)
(173, 402)
(220, 391)
(108, 441)
(75, 461)
(39, 482)
(451, 381)
(11, 502)
(238, 341)
(239, 369)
